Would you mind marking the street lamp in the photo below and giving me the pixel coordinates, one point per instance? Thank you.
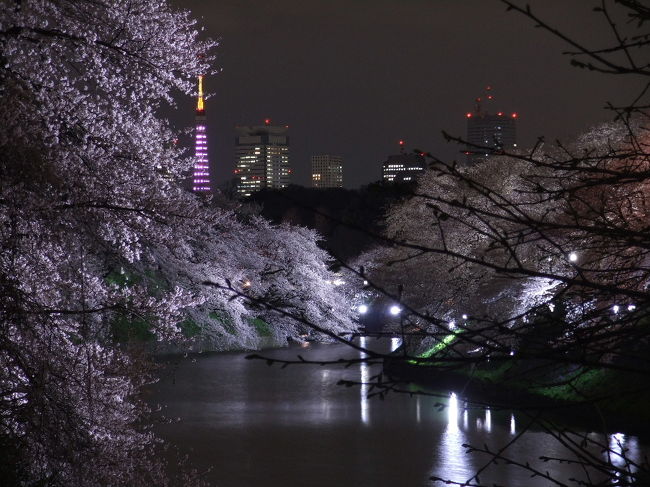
(363, 309)
(395, 310)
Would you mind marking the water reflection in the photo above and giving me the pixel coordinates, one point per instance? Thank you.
(326, 403)
(452, 412)
(365, 376)
(452, 463)
(623, 455)
(257, 425)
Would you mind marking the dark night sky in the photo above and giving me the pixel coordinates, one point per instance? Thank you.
(352, 77)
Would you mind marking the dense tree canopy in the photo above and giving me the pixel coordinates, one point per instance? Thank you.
(99, 243)
(537, 261)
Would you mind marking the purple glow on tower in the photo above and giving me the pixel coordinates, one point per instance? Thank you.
(201, 176)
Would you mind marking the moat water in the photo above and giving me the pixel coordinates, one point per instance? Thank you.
(254, 425)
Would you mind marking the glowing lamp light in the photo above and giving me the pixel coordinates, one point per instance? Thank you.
(395, 310)
(363, 309)
(616, 308)
(464, 317)
(573, 257)
(631, 307)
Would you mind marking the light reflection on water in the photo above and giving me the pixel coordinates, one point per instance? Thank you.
(365, 377)
(624, 454)
(257, 425)
(453, 461)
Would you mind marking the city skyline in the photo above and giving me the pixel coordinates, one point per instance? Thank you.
(391, 70)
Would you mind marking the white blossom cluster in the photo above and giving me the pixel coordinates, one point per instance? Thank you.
(96, 231)
(504, 237)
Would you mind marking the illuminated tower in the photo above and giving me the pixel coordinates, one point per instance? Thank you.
(489, 133)
(201, 175)
(262, 153)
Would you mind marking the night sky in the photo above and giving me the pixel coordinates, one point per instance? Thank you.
(353, 77)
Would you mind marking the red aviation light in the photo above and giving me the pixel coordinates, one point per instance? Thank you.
(401, 142)
(267, 121)
(468, 115)
(500, 114)
(514, 115)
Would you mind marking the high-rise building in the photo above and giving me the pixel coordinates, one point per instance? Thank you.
(489, 133)
(326, 171)
(201, 173)
(403, 167)
(262, 153)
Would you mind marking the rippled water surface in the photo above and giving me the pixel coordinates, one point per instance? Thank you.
(255, 425)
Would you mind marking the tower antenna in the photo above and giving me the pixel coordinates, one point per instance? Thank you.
(200, 103)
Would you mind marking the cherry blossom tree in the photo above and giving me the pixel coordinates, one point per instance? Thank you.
(95, 231)
(537, 261)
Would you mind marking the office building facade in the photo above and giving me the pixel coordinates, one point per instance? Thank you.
(326, 171)
(403, 167)
(262, 158)
(489, 133)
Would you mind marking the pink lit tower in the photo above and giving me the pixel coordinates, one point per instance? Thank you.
(201, 175)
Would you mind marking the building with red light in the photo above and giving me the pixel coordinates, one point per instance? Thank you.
(262, 153)
(402, 167)
(326, 171)
(489, 133)
(201, 172)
